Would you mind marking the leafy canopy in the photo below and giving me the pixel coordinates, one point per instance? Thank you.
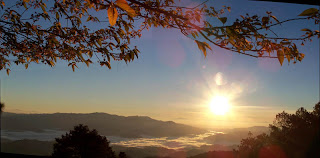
(291, 135)
(39, 31)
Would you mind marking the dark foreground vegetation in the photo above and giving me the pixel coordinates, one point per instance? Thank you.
(10, 155)
(291, 136)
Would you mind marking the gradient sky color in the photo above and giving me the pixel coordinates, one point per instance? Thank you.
(173, 81)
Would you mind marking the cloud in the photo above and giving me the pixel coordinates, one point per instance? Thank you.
(168, 142)
(178, 143)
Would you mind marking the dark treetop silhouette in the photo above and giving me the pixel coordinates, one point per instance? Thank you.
(291, 135)
(82, 143)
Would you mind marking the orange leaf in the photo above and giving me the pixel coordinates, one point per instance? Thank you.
(112, 15)
(8, 71)
(124, 5)
(280, 56)
(203, 47)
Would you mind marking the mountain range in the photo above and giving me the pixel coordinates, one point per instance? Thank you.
(105, 124)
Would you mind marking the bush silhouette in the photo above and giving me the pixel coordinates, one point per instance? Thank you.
(122, 155)
(82, 143)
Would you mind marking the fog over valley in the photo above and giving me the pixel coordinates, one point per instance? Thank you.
(132, 131)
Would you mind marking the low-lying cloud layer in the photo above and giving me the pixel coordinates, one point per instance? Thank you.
(167, 142)
(230, 137)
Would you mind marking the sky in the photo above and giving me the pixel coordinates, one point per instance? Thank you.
(172, 80)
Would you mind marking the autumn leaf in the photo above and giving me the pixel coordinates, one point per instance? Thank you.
(8, 71)
(301, 57)
(306, 30)
(108, 64)
(309, 12)
(273, 17)
(99, 42)
(124, 5)
(286, 51)
(223, 20)
(280, 56)
(203, 47)
(112, 15)
(21, 37)
(73, 68)
(73, 65)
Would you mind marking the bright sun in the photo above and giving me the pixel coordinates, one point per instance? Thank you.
(219, 105)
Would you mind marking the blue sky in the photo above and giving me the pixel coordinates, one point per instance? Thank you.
(172, 80)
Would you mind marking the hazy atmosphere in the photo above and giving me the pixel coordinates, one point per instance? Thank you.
(181, 96)
(173, 81)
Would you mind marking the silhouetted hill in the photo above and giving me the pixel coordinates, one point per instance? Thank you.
(216, 154)
(134, 152)
(10, 155)
(106, 124)
(210, 154)
(28, 147)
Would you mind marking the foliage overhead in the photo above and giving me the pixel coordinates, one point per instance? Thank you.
(39, 31)
(291, 135)
(82, 143)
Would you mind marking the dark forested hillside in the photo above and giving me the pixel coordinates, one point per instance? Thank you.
(106, 124)
(10, 155)
(216, 154)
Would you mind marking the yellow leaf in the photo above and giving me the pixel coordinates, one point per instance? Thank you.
(287, 53)
(124, 5)
(203, 47)
(51, 63)
(99, 42)
(309, 12)
(301, 57)
(280, 56)
(80, 56)
(90, 53)
(275, 18)
(112, 15)
(57, 15)
(288, 58)
(108, 64)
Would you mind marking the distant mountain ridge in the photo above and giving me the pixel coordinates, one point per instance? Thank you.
(106, 124)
